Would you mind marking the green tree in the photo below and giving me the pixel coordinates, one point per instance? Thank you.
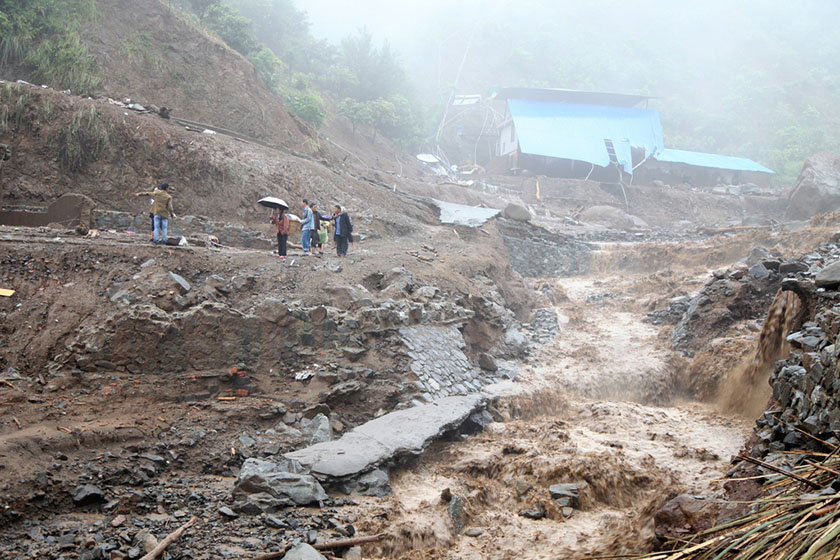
(356, 111)
(378, 71)
(231, 27)
(309, 107)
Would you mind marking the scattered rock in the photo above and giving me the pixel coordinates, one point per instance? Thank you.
(317, 430)
(521, 486)
(537, 512)
(398, 280)
(474, 532)
(354, 553)
(182, 285)
(303, 551)
(680, 511)
(374, 483)
(227, 512)
(759, 271)
(88, 494)
(457, 513)
(829, 277)
(276, 484)
(486, 362)
(566, 495)
(146, 540)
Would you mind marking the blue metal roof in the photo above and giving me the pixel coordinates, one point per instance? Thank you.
(701, 159)
(572, 131)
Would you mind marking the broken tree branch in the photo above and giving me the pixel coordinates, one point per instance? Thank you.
(171, 538)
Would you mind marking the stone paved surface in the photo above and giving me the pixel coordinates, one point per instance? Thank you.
(439, 362)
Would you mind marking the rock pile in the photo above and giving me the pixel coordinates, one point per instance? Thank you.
(741, 292)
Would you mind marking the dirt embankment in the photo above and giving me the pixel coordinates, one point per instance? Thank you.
(152, 54)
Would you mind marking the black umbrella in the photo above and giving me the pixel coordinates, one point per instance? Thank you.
(273, 202)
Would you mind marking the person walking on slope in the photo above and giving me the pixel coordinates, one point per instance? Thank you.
(281, 228)
(307, 222)
(162, 210)
(343, 231)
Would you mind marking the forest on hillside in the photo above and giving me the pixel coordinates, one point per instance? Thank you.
(752, 79)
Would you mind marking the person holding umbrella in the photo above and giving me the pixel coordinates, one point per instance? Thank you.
(280, 221)
(281, 228)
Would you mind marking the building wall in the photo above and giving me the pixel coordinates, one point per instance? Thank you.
(508, 142)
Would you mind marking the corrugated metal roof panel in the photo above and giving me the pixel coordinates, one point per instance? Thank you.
(570, 131)
(701, 159)
(557, 95)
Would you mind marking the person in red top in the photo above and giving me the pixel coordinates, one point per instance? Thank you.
(281, 227)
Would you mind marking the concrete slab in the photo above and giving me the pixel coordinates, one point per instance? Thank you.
(402, 432)
(459, 214)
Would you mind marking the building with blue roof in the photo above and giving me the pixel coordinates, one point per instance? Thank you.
(602, 136)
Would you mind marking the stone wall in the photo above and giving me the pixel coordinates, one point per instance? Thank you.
(537, 253)
(439, 362)
(806, 385)
(234, 235)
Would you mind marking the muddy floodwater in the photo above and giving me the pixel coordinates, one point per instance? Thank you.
(594, 406)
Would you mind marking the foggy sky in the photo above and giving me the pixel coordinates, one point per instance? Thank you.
(707, 34)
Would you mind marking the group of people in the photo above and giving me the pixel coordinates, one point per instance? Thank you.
(313, 234)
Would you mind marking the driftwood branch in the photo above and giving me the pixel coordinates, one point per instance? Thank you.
(171, 538)
(348, 542)
(273, 555)
(779, 470)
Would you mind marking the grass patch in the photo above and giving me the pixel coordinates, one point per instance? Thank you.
(41, 39)
(84, 140)
(141, 49)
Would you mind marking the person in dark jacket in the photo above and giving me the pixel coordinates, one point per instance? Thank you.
(343, 231)
(316, 239)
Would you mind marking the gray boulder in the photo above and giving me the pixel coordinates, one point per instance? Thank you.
(566, 494)
(282, 483)
(87, 494)
(829, 277)
(317, 430)
(517, 212)
(609, 216)
(486, 362)
(817, 188)
(303, 552)
(397, 279)
(179, 283)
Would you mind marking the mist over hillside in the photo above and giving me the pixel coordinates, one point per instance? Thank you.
(755, 79)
